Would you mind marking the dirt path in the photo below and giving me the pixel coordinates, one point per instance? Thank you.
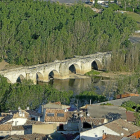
(114, 74)
(3, 64)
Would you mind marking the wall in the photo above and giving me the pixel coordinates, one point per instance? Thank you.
(96, 133)
(71, 126)
(4, 133)
(60, 68)
(44, 128)
(17, 132)
(20, 121)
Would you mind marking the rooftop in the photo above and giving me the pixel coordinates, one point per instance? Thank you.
(5, 119)
(34, 113)
(95, 121)
(29, 122)
(34, 136)
(107, 111)
(56, 105)
(5, 127)
(122, 127)
(111, 137)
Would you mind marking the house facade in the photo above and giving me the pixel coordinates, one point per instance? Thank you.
(117, 128)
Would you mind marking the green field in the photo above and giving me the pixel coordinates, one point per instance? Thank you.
(135, 17)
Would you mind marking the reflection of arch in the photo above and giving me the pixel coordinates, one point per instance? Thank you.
(74, 68)
(53, 74)
(71, 82)
(96, 65)
(39, 76)
(8, 81)
(20, 78)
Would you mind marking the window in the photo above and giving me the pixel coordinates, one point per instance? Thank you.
(60, 114)
(50, 114)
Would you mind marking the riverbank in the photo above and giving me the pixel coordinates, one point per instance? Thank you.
(114, 75)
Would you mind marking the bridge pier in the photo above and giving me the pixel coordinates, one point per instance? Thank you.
(59, 69)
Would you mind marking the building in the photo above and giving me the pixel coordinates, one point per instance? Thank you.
(108, 112)
(44, 128)
(117, 128)
(27, 137)
(119, 96)
(55, 105)
(65, 120)
(33, 115)
(16, 117)
(8, 129)
(58, 116)
(89, 122)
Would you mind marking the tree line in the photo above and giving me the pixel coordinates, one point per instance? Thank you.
(26, 94)
(34, 32)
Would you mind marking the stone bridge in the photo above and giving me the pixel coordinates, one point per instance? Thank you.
(58, 69)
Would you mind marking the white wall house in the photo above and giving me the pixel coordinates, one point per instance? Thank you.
(17, 121)
(96, 133)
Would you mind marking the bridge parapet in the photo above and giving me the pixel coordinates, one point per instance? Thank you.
(59, 69)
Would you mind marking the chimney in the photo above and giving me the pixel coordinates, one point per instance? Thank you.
(28, 108)
(90, 101)
(104, 136)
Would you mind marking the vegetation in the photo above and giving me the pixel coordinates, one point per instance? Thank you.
(106, 104)
(135, 17)
(86, 96)
(129, 105)
(34, 32)
(92, 73)
(128, 83)
(125, 59)
(27, 94)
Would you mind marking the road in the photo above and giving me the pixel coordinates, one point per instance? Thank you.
(67, 1)
(134, 39)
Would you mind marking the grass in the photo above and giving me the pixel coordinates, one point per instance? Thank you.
(92, 73)
(135, 17)
(106, 104)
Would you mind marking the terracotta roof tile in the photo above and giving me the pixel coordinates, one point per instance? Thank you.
(5, 119)
(130, 116)
(34, 136)
(51, 115)
(121, 126)
(32, 112)
(17, 127)
(5, 127)
(112, 137)
(95, 121)
(29, 122)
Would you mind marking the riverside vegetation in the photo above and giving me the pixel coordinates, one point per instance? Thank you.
(27, 94)
(34, 32)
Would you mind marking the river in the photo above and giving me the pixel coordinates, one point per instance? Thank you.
(100, 85)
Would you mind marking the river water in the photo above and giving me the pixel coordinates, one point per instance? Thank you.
(100, 85)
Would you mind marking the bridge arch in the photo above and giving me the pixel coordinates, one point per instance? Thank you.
(8, 81)
(96, 65)
(20, 78)
(74, 68)
(53, 74)
(39, 76)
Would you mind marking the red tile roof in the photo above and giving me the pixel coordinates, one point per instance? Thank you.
(120, 126)
(130, 116)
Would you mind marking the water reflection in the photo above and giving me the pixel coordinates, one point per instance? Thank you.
(75, 85)
(101, 85)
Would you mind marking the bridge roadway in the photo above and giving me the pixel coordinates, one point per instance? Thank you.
(58, 69)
